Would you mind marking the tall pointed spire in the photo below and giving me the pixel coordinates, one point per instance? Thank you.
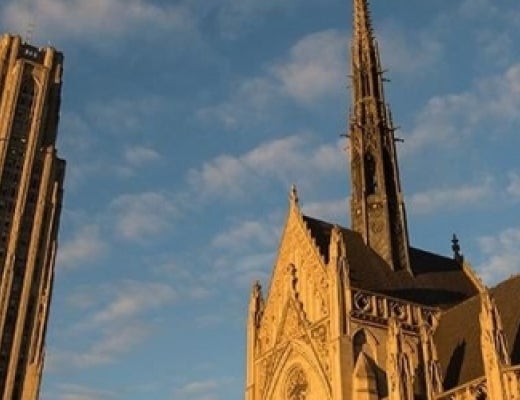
(362, 24)
(377, 208)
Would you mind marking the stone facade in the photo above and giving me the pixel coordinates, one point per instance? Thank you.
(358, 314)
(31, 181)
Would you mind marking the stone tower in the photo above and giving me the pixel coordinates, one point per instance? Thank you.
(377, 207)
(31, 181)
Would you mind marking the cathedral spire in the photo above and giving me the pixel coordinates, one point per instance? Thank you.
(377, 208)
(362, 24)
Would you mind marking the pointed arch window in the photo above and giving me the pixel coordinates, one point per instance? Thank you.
(297, 385)
(364, 341)
(370, 174)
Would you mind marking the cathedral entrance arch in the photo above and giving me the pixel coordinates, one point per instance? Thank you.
(298, 375)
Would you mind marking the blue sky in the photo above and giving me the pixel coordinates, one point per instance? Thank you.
(185, 122)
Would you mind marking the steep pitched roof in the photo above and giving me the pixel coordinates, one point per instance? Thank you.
(436, 280)
(458, 335)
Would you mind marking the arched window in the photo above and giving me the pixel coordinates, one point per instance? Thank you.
(297, 385)
(364, 342)
(356, 175)
(370, 174)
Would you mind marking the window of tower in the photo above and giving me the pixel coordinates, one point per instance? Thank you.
(370, 174)
(366, 84)
(359, 342)
(297, 386)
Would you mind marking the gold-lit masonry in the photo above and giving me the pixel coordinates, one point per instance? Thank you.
(31, 184)
(359, 314)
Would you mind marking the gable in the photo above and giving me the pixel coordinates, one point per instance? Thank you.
(299, 269)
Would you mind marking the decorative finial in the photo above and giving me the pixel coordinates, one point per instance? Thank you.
(257, 303)
(257, 289)
(293, 195)
(457, 255)
(362, 21)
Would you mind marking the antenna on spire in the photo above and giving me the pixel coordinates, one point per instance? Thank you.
(29, 31)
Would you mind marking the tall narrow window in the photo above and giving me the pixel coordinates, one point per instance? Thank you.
(370, 174)
(297, 385)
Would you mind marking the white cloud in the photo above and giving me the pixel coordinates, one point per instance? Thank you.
(472, 9)
(121, 116)
(243, 270)
(513, 189)
(138, 156)
(132, 298)
(246, 233)
(496, 47)
(86, 245)
(439, 122)
(94, 19)
(113, 321)
(109, 307)
(201, 389)
(142, 215)
(77, 137)
(233, 18)
(248, 103)
(502, 255)
(67, 391)
(110, 344)
(198, 292)
(315, 67)
(198, 387)
(490, 107)
(313, 70)
(114, 344)
(280, 159)
(406, 54)
(333, 210)
(209, 320)
(450, 198)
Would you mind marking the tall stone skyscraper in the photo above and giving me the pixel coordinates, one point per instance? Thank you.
(31, 182)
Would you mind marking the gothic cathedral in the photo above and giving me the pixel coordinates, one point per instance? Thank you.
(358, 314)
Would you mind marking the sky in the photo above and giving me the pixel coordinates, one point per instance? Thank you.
(184, 124)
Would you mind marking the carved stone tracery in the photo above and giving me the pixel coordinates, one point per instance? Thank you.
(377, 308)
(297, 385)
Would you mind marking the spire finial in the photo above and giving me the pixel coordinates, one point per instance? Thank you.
(457, 255)
(362, 21)
(293, 195)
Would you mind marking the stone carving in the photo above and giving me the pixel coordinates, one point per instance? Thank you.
(494, 349)
(479, 391)
(379, 309)
(292, 325)
(399, 370)
(297, 385)
(300, 274)
(432, 367)
(320, 337)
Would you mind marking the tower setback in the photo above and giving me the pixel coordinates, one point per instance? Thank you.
(31, 187)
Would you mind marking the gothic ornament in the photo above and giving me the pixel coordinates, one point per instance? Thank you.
(297, 385)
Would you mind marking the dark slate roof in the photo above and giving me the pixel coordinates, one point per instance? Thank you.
(458, 335)
(436, 280)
